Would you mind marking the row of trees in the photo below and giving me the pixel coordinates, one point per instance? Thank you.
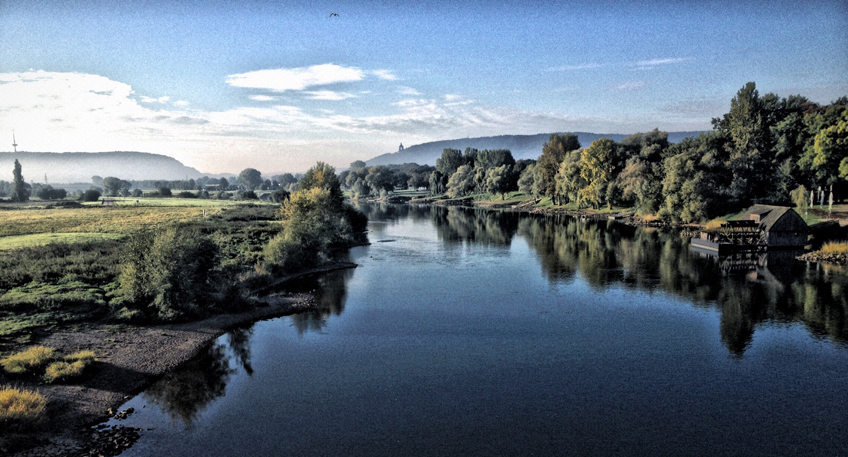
(759, 152)
(364, 181)
(766, 149)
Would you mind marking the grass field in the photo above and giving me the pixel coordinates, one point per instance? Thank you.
(40, 239)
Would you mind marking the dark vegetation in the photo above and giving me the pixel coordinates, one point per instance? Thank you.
(176, 271)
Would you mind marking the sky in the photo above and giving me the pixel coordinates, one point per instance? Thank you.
(278, 85)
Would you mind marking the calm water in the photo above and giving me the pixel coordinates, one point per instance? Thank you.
(474, 333)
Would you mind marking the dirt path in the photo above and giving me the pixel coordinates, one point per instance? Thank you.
(128, 360)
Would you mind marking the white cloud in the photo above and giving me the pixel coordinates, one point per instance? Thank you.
(452, 97)
(329, 95)
(649, 64)
(262, 98)
(181, 103)
(385, 74)
(404, 90)
(161, 100)
(284, 79)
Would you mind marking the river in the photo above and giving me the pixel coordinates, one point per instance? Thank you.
(477, 333)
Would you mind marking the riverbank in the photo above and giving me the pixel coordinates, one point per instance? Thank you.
(129, 359)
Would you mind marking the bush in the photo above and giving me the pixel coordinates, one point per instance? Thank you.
(137, 193)
(91, 195)
(21, 406)
(169, 272)
(61, 371)
(49, 193)
(186, 194)
(247, 195)
(164, 191)
(27, 361)
(835, 248)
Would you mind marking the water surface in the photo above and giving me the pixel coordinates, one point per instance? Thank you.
(477, 333)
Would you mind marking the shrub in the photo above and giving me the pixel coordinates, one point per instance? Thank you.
(60, 371)
(27, 361)
(186, 194)
(91, 195)
(164, 191)
(21, 406)
(835, 248)
(170, 271)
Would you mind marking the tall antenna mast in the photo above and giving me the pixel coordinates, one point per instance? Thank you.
(14, 143)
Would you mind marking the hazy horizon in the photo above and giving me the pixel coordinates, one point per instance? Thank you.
(276, 87)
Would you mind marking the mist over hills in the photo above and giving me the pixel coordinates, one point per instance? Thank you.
(521, 146)
(73, 167)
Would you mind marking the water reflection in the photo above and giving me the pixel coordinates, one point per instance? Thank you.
(185, 393)
(747, 288)
(456, 225)
(330, 292)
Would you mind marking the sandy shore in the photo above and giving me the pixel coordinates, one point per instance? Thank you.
(129, 359)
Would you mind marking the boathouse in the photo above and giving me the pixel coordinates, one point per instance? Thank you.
(761, 227)
(783, 227)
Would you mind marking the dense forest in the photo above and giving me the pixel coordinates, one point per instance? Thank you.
(766, 149)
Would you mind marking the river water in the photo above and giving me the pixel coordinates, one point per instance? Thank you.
(470, 333)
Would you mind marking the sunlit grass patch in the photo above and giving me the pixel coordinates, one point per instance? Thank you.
(21, 406)
(28, 360)
(62, 370)
(835, 248)
(714, 224)
(81, 356)
(41, 239)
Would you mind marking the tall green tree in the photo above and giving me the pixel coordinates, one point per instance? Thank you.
(19, 190)
(250, 178)
(547, 166)
(747, 131)
(498, 180)
(597, 165)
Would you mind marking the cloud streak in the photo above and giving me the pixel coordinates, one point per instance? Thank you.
(295, 79)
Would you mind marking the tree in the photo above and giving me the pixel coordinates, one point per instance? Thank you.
(91, 195)
(49, 193)
(525, 181)
(19, 192)
(250, 178)
(357, 164)
(322, 176)
(498, 180)
(548, 164)
(113, 185)
(169, 271)
(223, 184)
(461, 182)
(597, 164)
(748, 137)
(831, 150)
(164, 192)
(449, 162)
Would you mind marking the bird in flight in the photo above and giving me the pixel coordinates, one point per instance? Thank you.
(334, 14)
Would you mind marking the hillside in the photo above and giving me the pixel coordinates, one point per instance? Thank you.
(70, 167)
(521, 146)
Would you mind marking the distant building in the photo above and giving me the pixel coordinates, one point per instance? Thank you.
(782, 225)
(400, 148)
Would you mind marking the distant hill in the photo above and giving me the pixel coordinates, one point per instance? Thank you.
(521, 146)
(72, 167)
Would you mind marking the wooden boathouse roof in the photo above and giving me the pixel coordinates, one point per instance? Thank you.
(776, 218)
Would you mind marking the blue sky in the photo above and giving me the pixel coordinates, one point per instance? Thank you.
(279, 85)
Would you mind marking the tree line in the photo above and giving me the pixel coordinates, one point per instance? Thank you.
(766, 149)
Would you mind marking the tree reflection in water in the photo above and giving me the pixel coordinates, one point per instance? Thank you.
(330, 291)
(748, 289)
(185, 393)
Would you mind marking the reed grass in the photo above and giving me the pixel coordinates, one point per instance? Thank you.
(29, 360)
(21, 406)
